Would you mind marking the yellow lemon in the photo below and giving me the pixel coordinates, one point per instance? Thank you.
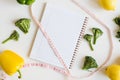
(108, 4)
(113, 72)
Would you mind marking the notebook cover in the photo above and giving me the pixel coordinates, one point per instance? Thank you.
(65, 27)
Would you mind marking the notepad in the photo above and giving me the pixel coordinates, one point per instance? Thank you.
(66, 28)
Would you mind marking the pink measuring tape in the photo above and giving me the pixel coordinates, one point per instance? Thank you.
(66, 71)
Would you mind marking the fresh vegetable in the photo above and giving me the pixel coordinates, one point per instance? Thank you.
(96, 34)
(117, 21)
(13, 36)
(11, 62)
(113, 72)
(23, 24)
(89, 37)
(108, 4)
(26, 2)
(118, 34)
(89, 63)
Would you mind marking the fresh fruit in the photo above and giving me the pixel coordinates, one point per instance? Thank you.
(113, 72)
(108, 4)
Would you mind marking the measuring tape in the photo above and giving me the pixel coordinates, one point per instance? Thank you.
(4, 76)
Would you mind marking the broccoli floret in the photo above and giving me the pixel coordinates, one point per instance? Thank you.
(118, 34)
(96, 34)
(13, 36)
(88, 37)
(89, 63)
(23, 24)
(117, 20)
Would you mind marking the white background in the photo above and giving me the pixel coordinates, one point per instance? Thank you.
(12, 11)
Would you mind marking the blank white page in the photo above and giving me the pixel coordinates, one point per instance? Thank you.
(63, 26)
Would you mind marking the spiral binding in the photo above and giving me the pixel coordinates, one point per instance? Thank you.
(79, 41)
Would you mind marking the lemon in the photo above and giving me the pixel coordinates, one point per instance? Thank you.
(108, 4)
(113, 72)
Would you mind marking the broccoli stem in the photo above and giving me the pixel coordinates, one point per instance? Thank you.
(20, 75)
(91, 47)
(94, 39)
(5, 40)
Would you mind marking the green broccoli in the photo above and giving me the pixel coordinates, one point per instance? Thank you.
(89, 63)
(26, 2)
(88, 37)
(23, 24)
(118, 34)
(117, 21)
(13, 36)
(96, 34)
